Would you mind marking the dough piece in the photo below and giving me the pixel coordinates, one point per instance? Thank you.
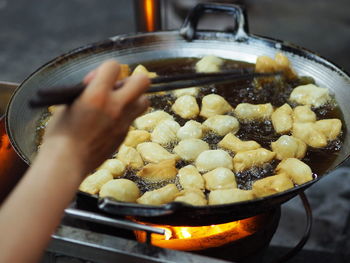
(114, 166)
(226, 196)
(93, 183)
(282, 120)
(157, 172)
(308, 133)
(188, 91)
(189, 149)
(186, 107)
(141, 69)
(134, 137)
(165, 132)
(122, 190)
(331, 128)
(303, 114)
(289, 147)
(130, 157)
(272, 185)
(211, 159)
(150, 120)
(214, 104)
(234, 144)
(298, 171)
(160, 196)
(265, 64)
(154, 153)
(247, 111)
(220, 178)
(189, 177)
(310, 94)
(221, 124)
(245, 160)
(192, 197)
(209, 64)
(191, 130)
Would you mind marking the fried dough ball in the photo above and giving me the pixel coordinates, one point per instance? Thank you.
(298, 171)
(154, 153)
(157, 172)
(186, 107)
(310, 94)
(265, 64)
(93, 183)
(226, 196)
(272, 185)
(221, 124)
(192, 197)
(308, 133)
(234, 144)
(141, 69)
(134, 137)
(209, 64)
(130, 157)
(289, 147)
(211, 159)
(282, 120)
(123, 190)
(160, 196)
(193, 91)
(214, 104)
(191, 130)
(248, 112)
(303, 114)
(114, 166)
(189, 177)
(219, 178)
(248, 159)
(150, 120)
(331, 128)
(165, 132)
(189, 149)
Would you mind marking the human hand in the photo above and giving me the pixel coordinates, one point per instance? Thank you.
(91, 129)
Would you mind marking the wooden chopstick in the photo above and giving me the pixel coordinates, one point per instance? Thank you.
(67, 94)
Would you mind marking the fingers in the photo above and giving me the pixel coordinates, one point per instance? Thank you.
(89, 77)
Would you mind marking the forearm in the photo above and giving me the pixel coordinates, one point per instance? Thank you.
(35, 207)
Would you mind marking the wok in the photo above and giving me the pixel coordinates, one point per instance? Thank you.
(238, 45)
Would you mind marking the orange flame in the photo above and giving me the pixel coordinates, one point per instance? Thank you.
(149, 15)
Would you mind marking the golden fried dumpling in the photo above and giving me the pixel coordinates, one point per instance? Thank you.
(134, 137)
(298, 171)
(245, 160)
(226, 196)
(191, 130)
(160, 196)
(308, 133)
(289, 147)
(272, 185)
(192, 197)
(186, 107)
(189, 149)
(265, 64)
(282, 120)
(211, 159)
(209, 64)
(234, 144)
(193, 91)
(142, 69)
(310, 94)
(114, 166)
(93, 183)
(157, 172)
(221, 124)
(130, 157)
(165, 132)
(189, 177)
(154, 153)
(303, 114)
(331, 128)
(214, 104)
(121, 189)
(248, 112)
(149, 120)
(219, 178)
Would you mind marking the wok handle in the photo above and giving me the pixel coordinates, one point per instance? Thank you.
(189, 27)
